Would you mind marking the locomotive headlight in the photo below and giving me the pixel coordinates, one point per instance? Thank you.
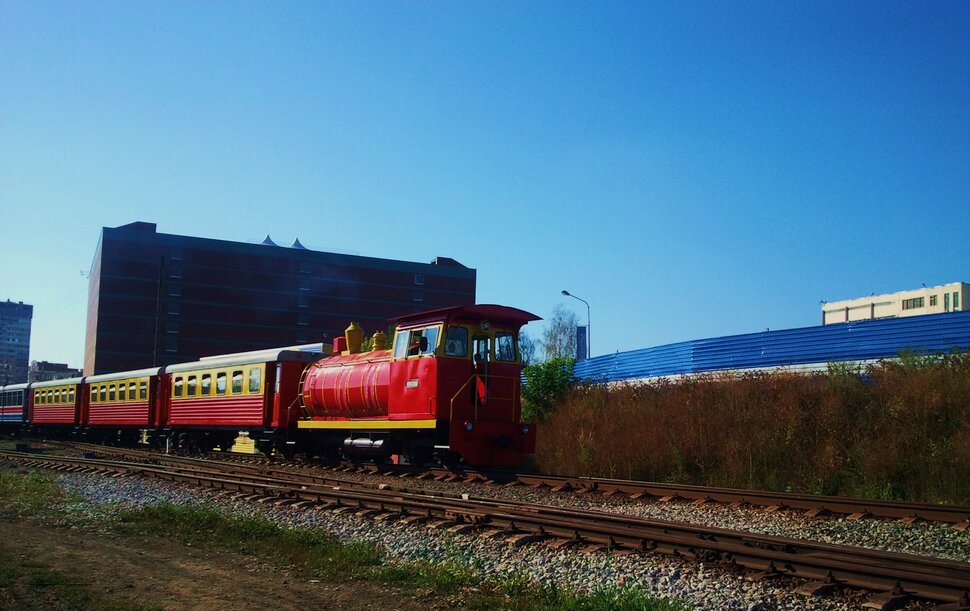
(525, 429)
(469, 426)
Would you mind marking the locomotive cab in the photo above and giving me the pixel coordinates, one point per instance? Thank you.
(461, 368)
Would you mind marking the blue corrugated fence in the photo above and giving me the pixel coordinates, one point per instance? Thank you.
(853, 341)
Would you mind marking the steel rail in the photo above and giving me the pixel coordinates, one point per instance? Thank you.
(934, 579)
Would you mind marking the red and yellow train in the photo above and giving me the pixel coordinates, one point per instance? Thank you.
(448, 388)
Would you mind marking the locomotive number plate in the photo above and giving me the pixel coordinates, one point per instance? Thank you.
(411, 383)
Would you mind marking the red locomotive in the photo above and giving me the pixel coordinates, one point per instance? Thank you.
(448, 388)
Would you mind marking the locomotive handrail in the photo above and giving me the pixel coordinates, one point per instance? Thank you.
(451, 409)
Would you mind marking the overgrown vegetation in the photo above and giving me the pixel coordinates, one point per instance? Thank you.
(899, 429)
(28, 493)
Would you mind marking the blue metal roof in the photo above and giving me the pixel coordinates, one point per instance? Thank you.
(852, 341)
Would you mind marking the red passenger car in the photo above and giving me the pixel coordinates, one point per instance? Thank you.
(118, 404)
(207, 403)
(55, 403)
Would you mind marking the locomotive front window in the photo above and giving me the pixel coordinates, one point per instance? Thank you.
(481, 348)
(254, 379)
(457, 342)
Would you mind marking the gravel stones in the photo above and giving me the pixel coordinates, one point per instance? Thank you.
(699, 585)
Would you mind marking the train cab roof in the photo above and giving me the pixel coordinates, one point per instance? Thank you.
(124, 375)
(498, 314)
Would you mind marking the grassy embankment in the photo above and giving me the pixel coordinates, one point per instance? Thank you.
(310, 553)
(896, 430)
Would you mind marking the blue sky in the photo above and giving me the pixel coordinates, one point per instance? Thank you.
(691, 169)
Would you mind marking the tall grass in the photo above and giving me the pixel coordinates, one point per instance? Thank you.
(899, 430)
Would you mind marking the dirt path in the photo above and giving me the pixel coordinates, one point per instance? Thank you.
(166, 574)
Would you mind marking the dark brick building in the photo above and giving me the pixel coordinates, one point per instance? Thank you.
(156, 299)
(14, 341)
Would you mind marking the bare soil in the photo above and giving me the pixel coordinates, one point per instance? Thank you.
(158, 573)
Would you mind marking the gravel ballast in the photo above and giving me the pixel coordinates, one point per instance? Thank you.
(699, 585)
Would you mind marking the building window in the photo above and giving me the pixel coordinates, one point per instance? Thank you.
(912, 304)
(171, 345)
(946, 302)
(932, 300)
(176, 254)
(302, 337)
(172, 327)
(303, 301)
(303, 320)
(419, 295)
(304, 284)
(956, 300)
(175, 290)
(419, 279)
(175, 271)
(174, 308)
(305, 267)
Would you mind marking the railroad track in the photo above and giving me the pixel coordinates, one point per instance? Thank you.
(852, 508)
(895, 577)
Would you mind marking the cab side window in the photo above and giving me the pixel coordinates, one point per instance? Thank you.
(504, 347)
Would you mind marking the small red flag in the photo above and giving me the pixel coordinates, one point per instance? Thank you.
(482, 390)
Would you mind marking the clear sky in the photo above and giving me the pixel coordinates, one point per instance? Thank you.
(692, 169)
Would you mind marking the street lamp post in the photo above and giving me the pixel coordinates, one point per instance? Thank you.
(589, 343)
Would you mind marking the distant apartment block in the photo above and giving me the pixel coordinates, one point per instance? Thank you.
(42, 371)
(934, 300)
(14, 341)
(156, 299)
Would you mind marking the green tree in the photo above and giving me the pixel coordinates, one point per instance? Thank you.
(545, 388)
(559, 338)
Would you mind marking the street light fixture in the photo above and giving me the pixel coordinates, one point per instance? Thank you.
(589, 343)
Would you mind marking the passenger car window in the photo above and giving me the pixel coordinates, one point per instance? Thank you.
(220, 383)
(206, 384)
(178, 387)
(237, 382)
(192, 386)
(104, 393)
(122, 392)
(254, 379)
(112, 392)
(143, 390)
